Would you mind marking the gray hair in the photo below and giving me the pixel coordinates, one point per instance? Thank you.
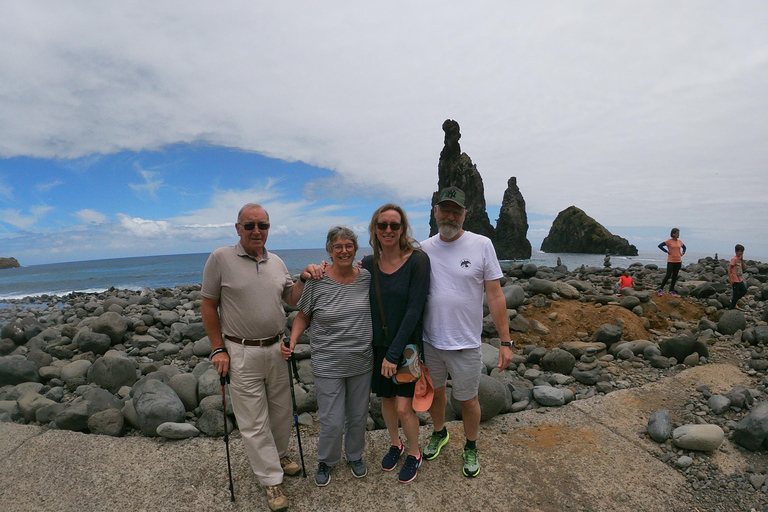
(250, 206)
(339, 232)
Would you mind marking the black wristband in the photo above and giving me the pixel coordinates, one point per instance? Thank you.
(218, 351)
(302, 278)
(506, 344)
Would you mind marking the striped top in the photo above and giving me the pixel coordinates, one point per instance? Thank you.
(340, 333)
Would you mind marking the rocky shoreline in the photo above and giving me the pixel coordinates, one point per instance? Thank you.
(135, 363)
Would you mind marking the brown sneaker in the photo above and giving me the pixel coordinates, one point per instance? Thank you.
(276, 498)
(290, 468)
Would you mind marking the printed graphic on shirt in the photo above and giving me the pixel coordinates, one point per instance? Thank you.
(466, 263)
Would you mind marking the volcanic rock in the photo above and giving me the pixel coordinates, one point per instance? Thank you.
(512, 225)
(575, 231)
(9, 263)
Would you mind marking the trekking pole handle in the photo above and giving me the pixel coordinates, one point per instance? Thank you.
(224, 380)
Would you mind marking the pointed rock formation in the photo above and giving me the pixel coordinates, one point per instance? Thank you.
(456, 169)
(575, 231)
(512, 227)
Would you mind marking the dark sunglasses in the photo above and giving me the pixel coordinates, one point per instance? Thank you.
(382, 226)
(250, 225)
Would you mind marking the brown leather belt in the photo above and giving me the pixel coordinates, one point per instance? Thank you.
(264, 342)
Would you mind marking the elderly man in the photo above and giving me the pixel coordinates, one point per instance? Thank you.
(243, 289)
(463, 265)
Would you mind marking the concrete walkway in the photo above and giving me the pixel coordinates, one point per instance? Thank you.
(588, 456)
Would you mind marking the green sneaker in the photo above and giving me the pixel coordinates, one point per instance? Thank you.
(471, 464)
(435, 443)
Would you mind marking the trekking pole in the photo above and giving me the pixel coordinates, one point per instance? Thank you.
(223, 381)
(291, 371)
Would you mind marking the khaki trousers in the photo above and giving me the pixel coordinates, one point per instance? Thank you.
(261, 400)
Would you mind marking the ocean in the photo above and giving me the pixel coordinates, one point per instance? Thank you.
(173, 270)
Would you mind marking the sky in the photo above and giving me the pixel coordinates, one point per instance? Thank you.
(140, 128)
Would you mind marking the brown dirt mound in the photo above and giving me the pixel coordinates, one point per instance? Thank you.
(572, 320)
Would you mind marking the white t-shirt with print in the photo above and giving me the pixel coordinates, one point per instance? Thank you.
(453, 317)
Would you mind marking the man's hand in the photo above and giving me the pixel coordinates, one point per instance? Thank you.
(221, 363)
(505, 357)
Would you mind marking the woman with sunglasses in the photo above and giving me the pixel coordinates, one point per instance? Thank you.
(338, 313)
(403, 274)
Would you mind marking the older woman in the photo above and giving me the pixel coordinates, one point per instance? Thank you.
(403, 274)
(338, 313)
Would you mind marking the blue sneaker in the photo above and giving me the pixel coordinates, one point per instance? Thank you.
(389, 461)
(358, 468)
(410, 469)
(323, 474)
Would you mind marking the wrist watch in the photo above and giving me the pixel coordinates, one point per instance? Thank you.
(506, 344)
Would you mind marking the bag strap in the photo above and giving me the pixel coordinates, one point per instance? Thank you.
(378, 299)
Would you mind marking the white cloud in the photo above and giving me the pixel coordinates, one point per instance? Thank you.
(45, 187)
(144, 228)
(91, 217)
(151, 183)
(17, 218)
(643, 113)
(5, 191)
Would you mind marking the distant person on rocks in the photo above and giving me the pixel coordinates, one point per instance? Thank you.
(625, 281)
(675, 248)
(337, 311)
(735, 268)
(243, 289)
(463, 265)
(402, 270)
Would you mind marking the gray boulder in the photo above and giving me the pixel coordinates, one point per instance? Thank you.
(109, 422)
(548, 396)
(74, 417)
(752, 430)
(558, 361)
(177, 430)
(541, 286)
(211, 423)
(15, 370)
(608, 334)
(111, 324)
(732, 320)
(101, 400)
(566, 291)
(202, 347)
(157, 403)
(719, 404)
(660, 425)
(15, 332)
(29, 404)
(112, 373)
(75, 373)
(683, 346)
(703, 438)
(208, 384)
(89, 341)
(185, 386)
(194, 331)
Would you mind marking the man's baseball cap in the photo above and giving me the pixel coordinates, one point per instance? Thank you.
(454, 194)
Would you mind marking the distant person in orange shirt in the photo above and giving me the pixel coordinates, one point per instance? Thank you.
(735, 267)
(625, 281)
(675, 248)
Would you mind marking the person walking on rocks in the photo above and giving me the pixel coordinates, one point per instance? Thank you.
(735, 268)
(243, 289)
(403, 274)
(463, 265)
(675, 248)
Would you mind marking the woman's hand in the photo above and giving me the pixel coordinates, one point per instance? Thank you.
(388, 369)
(287, 350)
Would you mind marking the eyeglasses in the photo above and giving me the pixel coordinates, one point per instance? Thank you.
(456, 212)
(382, 226)
(248, 226)
(347, 247)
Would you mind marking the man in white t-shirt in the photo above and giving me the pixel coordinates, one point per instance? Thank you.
(463, 265)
